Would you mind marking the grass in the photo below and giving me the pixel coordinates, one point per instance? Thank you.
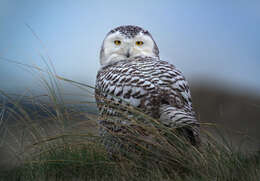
(63, 144)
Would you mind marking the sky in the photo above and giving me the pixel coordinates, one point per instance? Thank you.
(216, 42)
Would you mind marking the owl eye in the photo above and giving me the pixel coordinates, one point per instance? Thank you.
(117, 42)
(139, 43)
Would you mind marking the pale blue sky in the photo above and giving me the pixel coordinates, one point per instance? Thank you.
(218, 41)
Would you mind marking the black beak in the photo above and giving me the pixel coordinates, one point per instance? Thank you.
(128, 54)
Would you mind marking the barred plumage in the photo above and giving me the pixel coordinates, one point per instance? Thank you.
(154, 86)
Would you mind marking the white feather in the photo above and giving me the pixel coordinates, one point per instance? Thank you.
(113, 53)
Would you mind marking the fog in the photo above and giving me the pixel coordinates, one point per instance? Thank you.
(213, 42)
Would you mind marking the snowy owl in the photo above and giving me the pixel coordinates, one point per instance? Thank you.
(132, 73)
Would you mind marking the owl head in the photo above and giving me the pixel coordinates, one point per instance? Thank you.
(126, 42)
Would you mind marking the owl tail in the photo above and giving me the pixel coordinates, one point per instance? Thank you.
(184, 121)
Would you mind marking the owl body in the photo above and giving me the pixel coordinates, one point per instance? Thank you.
(153, 86)
(145, 83)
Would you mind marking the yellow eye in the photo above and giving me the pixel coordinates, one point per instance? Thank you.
(117, 42)
(139, 43)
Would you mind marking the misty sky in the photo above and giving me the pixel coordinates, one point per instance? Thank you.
(218, 41)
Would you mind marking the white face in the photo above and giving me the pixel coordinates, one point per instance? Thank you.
(117, 47)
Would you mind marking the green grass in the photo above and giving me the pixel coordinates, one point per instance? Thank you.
(65, 146)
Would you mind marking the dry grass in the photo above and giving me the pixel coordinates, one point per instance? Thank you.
(57, 141)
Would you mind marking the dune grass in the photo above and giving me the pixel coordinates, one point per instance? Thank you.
(77, 154)
(63, 144)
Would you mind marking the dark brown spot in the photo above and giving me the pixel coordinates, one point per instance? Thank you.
(119, 93)
(127, 80)
(123, 79)
(134, 81)
(128, 94)
(136, 93)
